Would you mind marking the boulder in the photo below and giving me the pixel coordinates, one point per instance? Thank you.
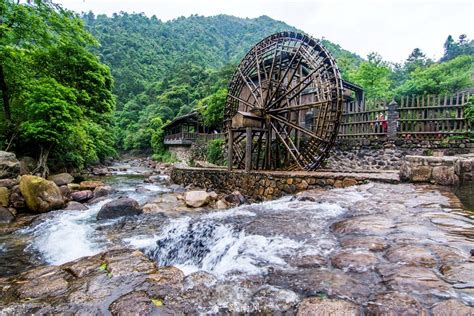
(8, 183)
(9, 165)
(103, 191)
(82, 196)
(74, 186)
(221, 204)
(100, 171)
(40, 194)
(5, 215)
(90, 185)
(75, 206)
(4, 196)
(197, 198)
(236, 198)
(65, 191)
(61, 178)
(16, 199)
(452, 307)
(118, 208)
(319, 306)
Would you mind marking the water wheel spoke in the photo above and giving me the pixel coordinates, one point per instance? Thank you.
(299, 107)
(293, 151)
(243, 101)
(297, 127)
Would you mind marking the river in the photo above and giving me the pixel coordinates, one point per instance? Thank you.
(355, 243)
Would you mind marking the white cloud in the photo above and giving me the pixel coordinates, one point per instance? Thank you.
(390, 27)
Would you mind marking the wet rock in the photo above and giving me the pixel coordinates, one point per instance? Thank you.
(452, 307)
(197, 198)
(315, 281)
(118, 208)
(270, 299)
(103, 191)
(42, 282)
(411, 255)
(459, 273)
(372, 243)
(395, 303)
(347, 182)
(213, 196)
(75, 206)
(134, 303)
(100, 171)
(165, 281)
(61, 178)
(74, 186)
(320, 306)
(420, 173)
(9, 165)
(415, 279)
(308, 261)
(371, 224)
(236, 198)
(82, 196)
(221, 204)
(40, 194)
(199, 278)
(354, 260)
(4, 196)
(8, 183)
(16, 199)
(5, 215)
(65, 191)
(151, 208)
(90, 185)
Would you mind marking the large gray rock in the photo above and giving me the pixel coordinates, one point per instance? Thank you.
(118, 208)
(61, 178)
(9, 165)
(5, 215)
(197, 198)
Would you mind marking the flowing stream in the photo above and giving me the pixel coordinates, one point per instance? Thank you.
(283, 243)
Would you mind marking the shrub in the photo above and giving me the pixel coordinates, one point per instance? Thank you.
(215, 152)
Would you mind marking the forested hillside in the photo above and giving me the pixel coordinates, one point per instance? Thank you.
(57, 100)
(163, 69)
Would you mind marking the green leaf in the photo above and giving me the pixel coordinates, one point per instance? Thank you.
(103, 267)
(157, 301)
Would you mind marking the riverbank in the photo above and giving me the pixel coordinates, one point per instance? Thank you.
(355, 250)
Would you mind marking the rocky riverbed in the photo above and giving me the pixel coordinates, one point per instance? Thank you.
(367, 249)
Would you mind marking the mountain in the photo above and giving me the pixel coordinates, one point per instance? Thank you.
(140, 50)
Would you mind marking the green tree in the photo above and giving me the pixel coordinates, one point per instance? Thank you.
(52, 116)
(212, 108)
(374, 76)
(439, 78)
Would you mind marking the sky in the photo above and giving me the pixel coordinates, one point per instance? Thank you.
(393, 28)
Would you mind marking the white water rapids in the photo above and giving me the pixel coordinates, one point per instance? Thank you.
(212, 242)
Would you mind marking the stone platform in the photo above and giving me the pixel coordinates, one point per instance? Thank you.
(267, 185)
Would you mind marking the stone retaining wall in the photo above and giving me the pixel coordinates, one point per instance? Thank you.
(182, 152)
(439, 170)
(383, 154)
(260, 186)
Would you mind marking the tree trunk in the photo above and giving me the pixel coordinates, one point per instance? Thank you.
(5, 96)
(42, 167)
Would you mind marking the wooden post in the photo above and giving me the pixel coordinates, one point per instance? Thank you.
(248, 149)
(392, 119)
(230, 150)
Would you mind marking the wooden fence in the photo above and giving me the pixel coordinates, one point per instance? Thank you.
(428, 117)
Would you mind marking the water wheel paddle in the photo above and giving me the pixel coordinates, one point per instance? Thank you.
(284, 105)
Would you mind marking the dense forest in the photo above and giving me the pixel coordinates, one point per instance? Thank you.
(77, 88)
(165, 69)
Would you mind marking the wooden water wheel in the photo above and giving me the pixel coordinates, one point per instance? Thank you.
(284, 105)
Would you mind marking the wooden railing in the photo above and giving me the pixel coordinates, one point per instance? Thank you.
(191, 136)
(412, 117)
(359, 120)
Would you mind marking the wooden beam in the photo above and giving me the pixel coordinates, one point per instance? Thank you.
(230, 149)
(248, 149)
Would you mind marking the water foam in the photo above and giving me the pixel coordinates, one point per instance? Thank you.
(67, 235)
